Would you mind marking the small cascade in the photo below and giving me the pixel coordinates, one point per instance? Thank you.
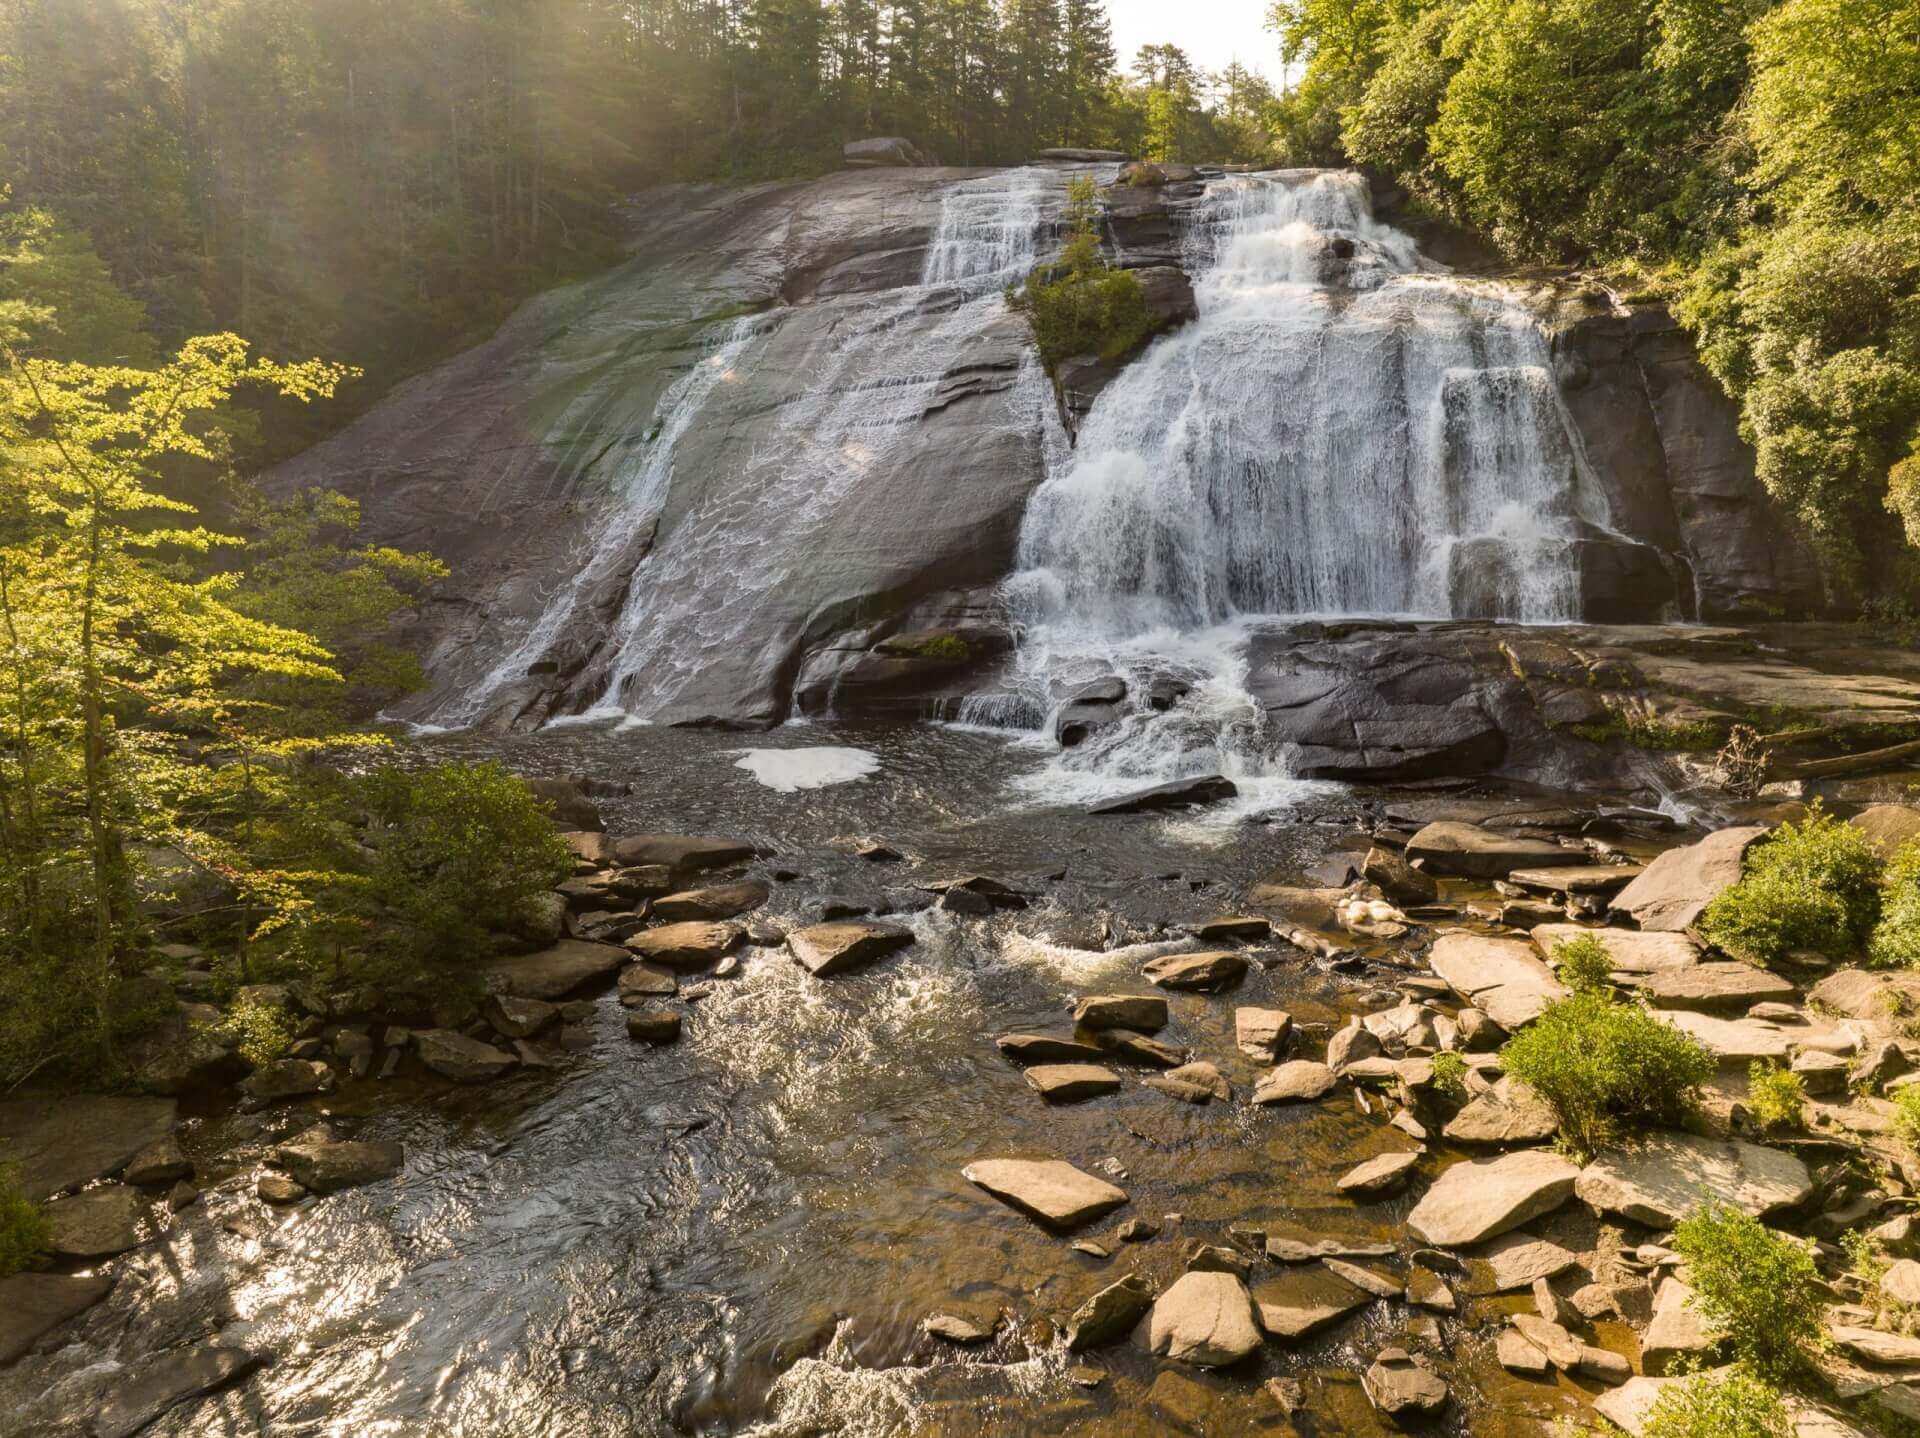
(1345, 430)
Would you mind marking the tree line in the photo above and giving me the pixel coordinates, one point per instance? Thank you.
(1756, 163)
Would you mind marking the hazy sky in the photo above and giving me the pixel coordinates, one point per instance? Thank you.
(1211, 31)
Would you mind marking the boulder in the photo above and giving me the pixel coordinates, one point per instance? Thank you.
(1519, 1261)
(1504, 978)
(190, 1048)
(1888, 825)
(838, 948)
(1300, 1081)
(1873, 1345)
(1306, 1300)
(1901, 1282)
(653, 1026)
(1670, 895)
(1046, 1049)
(958, 1328)
(1468, 851)
(1206, 973)
(98, 1223)
(142, 1393)
(518, 1018)
(1631, 1405)
(1393, 876)
(1206, 1319)
(32, 1305)
(1676, 1337)
(555, 972)
(1143, 1013)
(1592, 879)
(692, 945)
(1351, 1045)
(329, 1167)
(287, 1079)
(1403, 1386)
(1517, 1354)
(1633, 951)
(1110, 1315)
(1484, 1198)
(1736, 1043)
(57, 1144)
(1378, 1176)
(1183, 794)
(1507, 1114)
(1193, 1083)
(457, 1057)
(1659, 1180)
(680, 854)
(1716, 988)
(720, 901)
(883, 153)
(1378, 1284)
(640, 982)
(162, 1161)
(1051, 1191)
(1262, 1034)
(1233, 928)
(1070, 1083)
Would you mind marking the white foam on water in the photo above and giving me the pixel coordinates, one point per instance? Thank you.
(788, 771)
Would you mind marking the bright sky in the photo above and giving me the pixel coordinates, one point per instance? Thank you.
(1213, 32)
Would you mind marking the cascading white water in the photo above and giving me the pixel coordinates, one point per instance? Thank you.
(703, 588)
(1345, 429)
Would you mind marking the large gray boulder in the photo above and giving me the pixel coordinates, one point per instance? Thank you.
(1205, 1319)
(329, 1167)
(1633, 951)
(1304, 1300)
(838, 948)
(1484, 1198)
(555, 972)
(464, 1060)
(691, 945)
(1054, 1192)
(1109, 1315)
(1470, 852)
(32, 1305)
(1679, 884)
(1660, 1180)
(98, 1223)
(1504, 978)
(57, 1144)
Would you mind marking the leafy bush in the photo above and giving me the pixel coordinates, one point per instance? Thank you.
(262, 1032)
(1812, 885)
(25, 1234)
(1078, 304)
(1759, 1287)
(1734, 1404)
(1906, 1116)
(1585, 965)
(1450, 1075)
(1895, 943)
(948, 648)
(1776, 1096)
(460, 849)
(1602, 1065)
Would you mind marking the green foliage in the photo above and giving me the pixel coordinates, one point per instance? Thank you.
(1604, 1067)
(26, 1236)
(1584, 964)
(459, 850)
(1759, 1287)
(1895, 942)
(1777, 1097)
(1812, 885)
(1906, 1116)
(948, 648)
(1078, 305)
(262, 1032)
(1733, 1404)
(1450, 1075)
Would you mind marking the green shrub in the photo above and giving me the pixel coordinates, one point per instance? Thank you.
(1585, 965)
(1078, 304)
(1759, 1287)
(460, 849)
(1895, 943)
(1450, 1075)
(1734, 1404)
(26, 1236)
(1812, 885)
(1777, 1097)
(1602, 1066)
(949, 648)
(1906, 1116)
(262, 1032)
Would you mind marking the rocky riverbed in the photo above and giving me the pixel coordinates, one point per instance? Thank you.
(916, 1102)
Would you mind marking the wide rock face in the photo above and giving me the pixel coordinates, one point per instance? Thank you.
(834, 357)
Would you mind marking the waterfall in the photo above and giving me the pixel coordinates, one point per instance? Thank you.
(1345, 429)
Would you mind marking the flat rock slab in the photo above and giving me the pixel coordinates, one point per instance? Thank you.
(1050, 1190)
(1734, 1042)
(58, 1144)
(1380, 1175)
(1888, 825)
(1717, 988)
(648, 981)
(1262, 1034)
(1070, 1083)
(1594, 879)
(1632, 951)
(1519, 1261)
(1300, 1081)
(330, 1167)
(1631, 1405)
(1110, 1315)
(1183, 794)
(1207, 973)
(684, 855)
(1678, 885)
(1507, 1113)
(556, 972)
(721, 901)
(1143, 1013)
(98, 1223)
(841, 947)
(1676, 1334)
(457, 1057)
(1889, 1350)
(1206, 1319)
(1305, 1300)
(1660, 1181)
(1466, 851)
(1484, 1198)
(1504, 978)
(1403, 1386)
(144, 1392)
(1047, 1049)
(690, 945)
(32, 1305)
